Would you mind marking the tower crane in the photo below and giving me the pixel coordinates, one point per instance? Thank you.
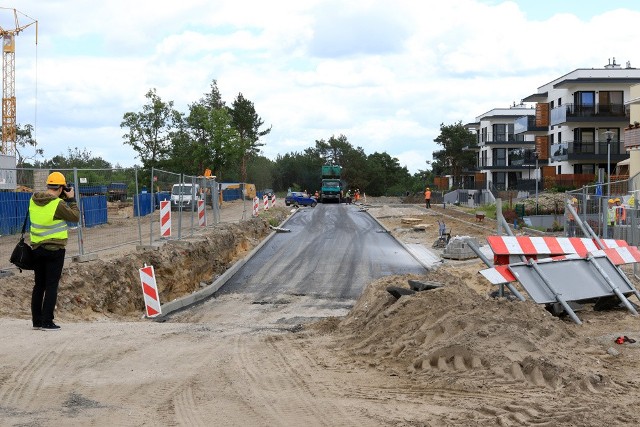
(9, 81)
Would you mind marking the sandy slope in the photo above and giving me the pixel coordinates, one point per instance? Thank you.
(451, 356)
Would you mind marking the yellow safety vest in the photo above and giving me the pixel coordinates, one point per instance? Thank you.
(43, 226)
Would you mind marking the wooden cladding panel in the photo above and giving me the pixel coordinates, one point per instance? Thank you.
(542, 147)
(542, 114)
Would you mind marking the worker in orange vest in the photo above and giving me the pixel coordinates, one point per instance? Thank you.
(427, 198)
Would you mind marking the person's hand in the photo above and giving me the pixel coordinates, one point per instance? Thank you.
(69, 194)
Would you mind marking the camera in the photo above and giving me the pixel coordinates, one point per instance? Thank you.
(65, 189)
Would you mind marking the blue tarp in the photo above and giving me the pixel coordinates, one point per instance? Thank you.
(231, 194)
(8, 214)
(142, 204)
(95, 210)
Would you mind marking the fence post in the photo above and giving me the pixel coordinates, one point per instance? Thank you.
(137, 206)
(80, 220)
(152, 206)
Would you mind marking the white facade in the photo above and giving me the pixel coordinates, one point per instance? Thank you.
(505, 157)
(586, 119)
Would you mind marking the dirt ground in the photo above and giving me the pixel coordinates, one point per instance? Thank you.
(452, 356)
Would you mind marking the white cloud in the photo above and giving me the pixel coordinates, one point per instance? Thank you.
(385, 73)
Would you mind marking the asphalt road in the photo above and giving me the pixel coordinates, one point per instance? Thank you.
(331, 252)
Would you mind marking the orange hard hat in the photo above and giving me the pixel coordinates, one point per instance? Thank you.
(617, 199)
(56, 178)
(611, 201)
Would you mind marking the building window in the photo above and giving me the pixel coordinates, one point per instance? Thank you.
(500, 133)
(500, 180)
(584, 141)
(584, 103)
(611, 102)
(499, 157)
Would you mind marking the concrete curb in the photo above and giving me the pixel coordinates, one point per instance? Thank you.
(197, 296)
(404, 246)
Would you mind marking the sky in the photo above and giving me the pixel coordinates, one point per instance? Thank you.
(384, 73)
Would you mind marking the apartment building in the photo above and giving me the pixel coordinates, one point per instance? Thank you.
(580, 119)
(505, 154)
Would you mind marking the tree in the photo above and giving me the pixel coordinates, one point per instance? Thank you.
(387, 176)
(206, 139)
(150, 131)
(76, 158)
(454, 157)
(24, 140)
(247, 123)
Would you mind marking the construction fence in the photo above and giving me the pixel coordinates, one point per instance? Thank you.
(145, 206)
(592, 206)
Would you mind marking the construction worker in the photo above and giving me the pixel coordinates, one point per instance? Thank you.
(611, 218)
(49, 210)
(427, 198)
(621, 212)
(571, 223)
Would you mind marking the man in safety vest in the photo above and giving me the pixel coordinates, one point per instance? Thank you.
(611, 218)
(48, 212)
(571, 224)
(621, 212)
(427, 197)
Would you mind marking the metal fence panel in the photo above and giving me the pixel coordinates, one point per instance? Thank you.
(128, 198)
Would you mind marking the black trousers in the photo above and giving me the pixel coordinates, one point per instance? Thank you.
(47, 277)
(427, 202)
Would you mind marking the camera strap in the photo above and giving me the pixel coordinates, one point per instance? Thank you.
(24, 224)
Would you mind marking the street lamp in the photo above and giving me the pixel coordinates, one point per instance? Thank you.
(609, 134)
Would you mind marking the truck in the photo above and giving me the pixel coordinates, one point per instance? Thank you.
(117, 191)
(185, 196)
(331, 187)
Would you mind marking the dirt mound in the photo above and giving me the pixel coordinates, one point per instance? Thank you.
(454, 336)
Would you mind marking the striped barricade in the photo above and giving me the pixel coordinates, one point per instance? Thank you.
(256, 206)
(150, 291)
(501, 274)
(165, 218)
(504, 247)
(202, 218)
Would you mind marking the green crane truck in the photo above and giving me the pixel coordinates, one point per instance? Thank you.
(331, 188)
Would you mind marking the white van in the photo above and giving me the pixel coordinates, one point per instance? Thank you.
(185, 196)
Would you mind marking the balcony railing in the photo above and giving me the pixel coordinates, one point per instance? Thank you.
(574, 150)
(501, 138)
(599, 112)
(527, 124)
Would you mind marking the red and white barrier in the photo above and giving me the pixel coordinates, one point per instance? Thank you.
(256, 206)
(505, 246)
(150, 291)
(621, 255)
(265, 200)
(202, 218)
(273, 200)
(165, 218)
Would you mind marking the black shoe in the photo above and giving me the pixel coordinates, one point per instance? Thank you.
(50, 327)
(37, 324)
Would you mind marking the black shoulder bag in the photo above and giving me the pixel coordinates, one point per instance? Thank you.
(22, 255)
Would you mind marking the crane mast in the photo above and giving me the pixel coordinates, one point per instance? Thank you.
(8, 35)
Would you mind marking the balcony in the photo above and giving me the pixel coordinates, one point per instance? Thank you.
(589, 113)
(521, 159)
(502, 139)
(583, 150)
(632, 138)
(526, 124)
